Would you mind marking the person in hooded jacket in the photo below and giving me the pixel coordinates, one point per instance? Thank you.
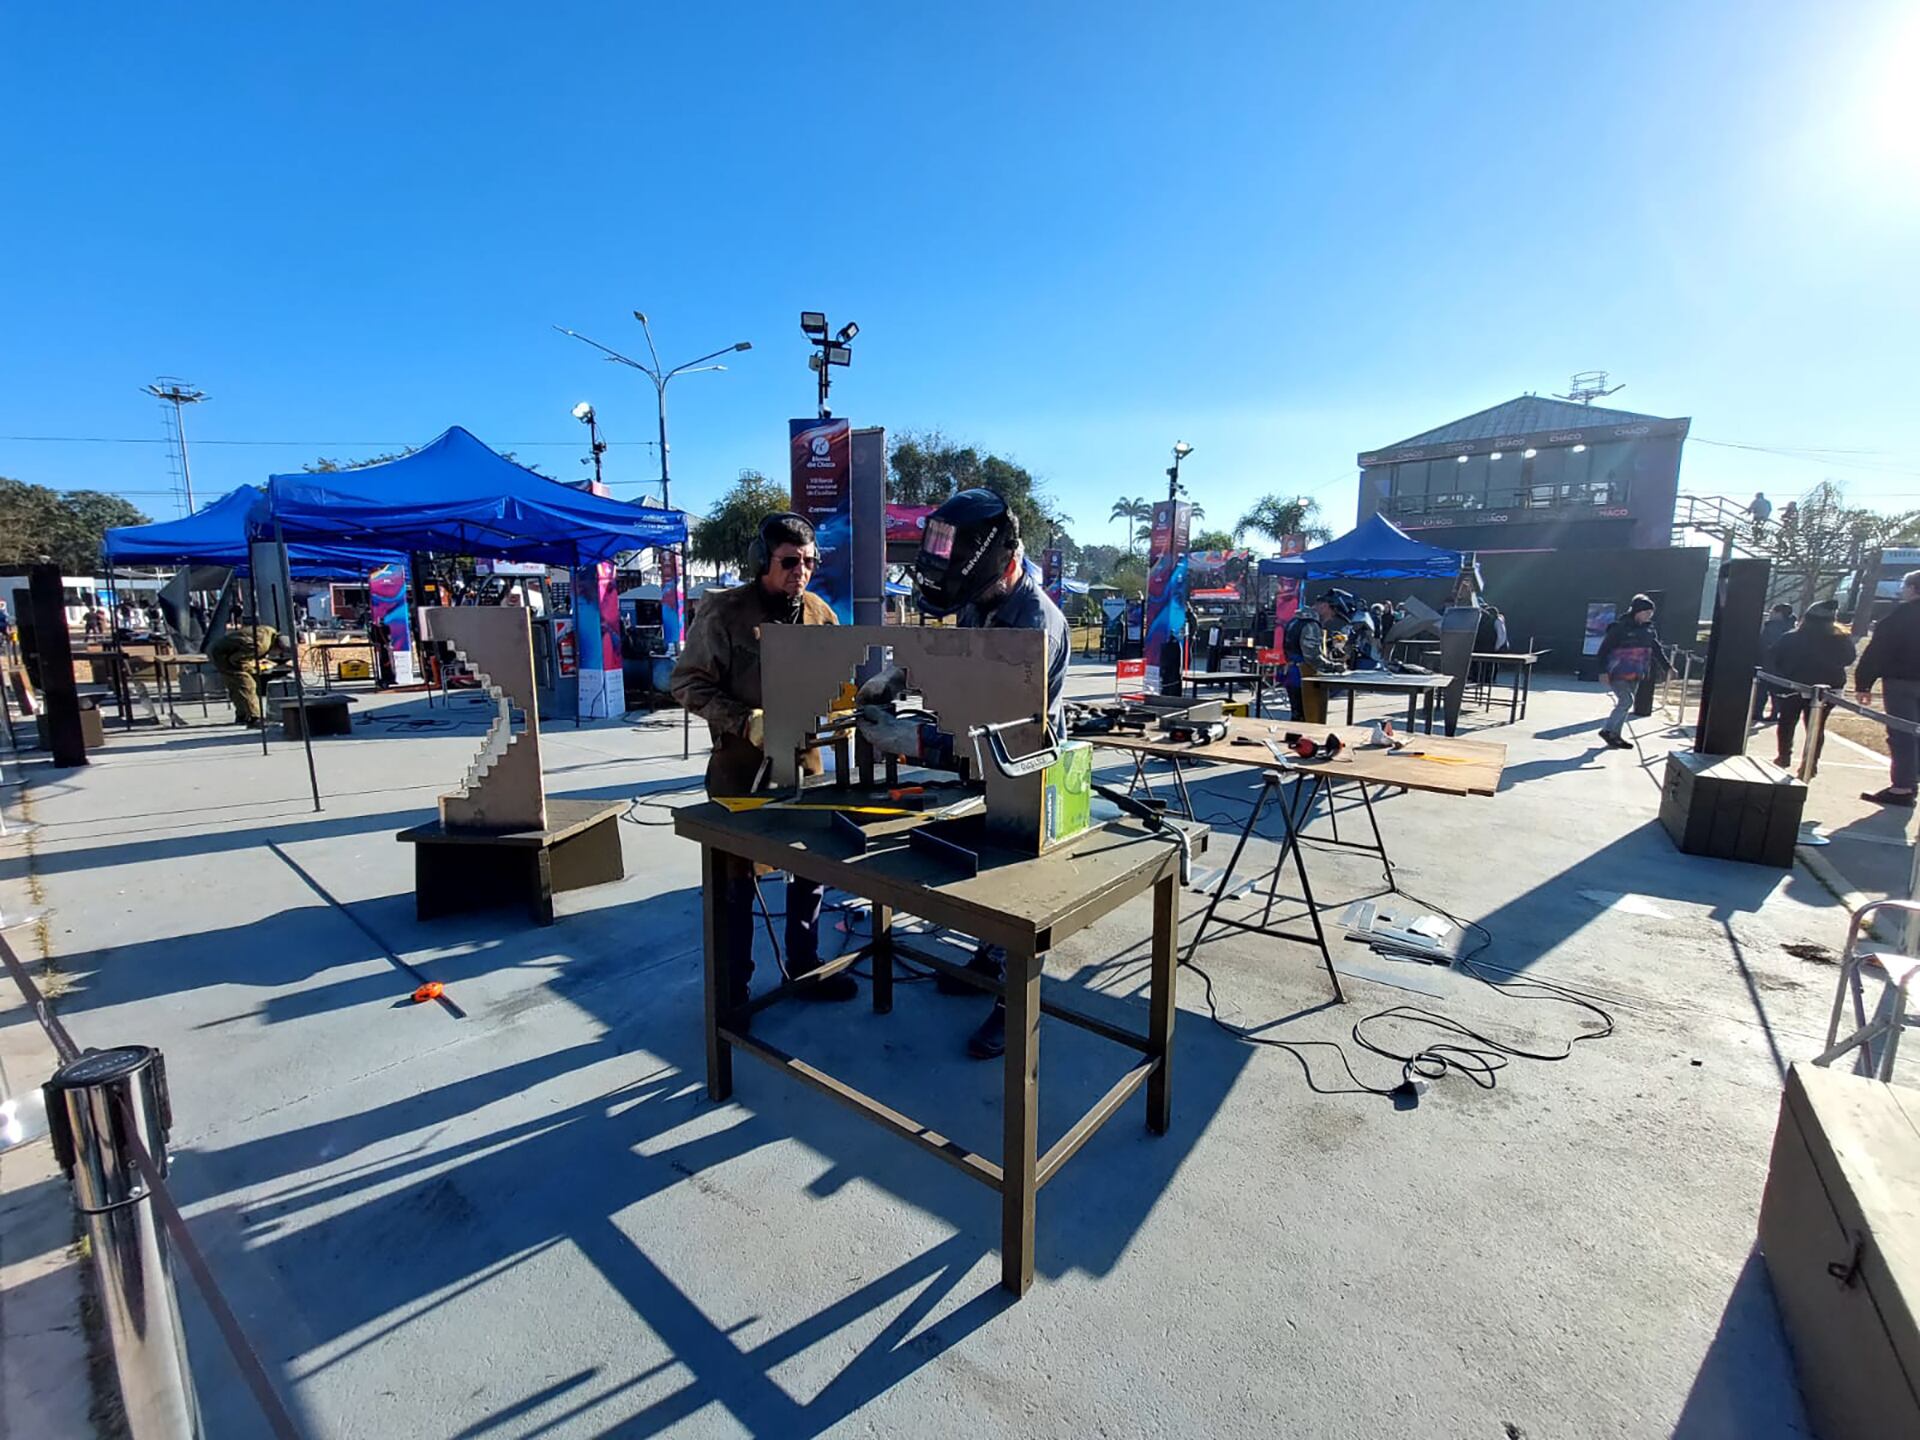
(1629, 652)
(1812, 653)
(1778, 622)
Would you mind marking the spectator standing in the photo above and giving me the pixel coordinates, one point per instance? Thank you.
(1630, 651)
(1812, 653)
(1892, 658)
(1778, 622)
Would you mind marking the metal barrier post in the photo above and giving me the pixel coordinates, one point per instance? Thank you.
(100, 1107)
(1816, 732)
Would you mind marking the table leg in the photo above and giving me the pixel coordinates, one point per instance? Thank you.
(1526, 687)
(1353, 694)
(1020, 1120)
(1166, 925)
(1413, 698)
(1513, 709)
(716, 869)
(882, 959)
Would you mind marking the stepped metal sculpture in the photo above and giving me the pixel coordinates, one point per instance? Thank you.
(503, 789)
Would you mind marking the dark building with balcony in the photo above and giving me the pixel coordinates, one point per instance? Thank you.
(1532, 474)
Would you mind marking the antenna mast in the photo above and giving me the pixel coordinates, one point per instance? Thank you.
(1589, 386)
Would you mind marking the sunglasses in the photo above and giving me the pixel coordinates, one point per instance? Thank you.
(794, 562)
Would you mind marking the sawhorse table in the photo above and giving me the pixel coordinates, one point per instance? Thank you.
(1026, 904)
(1429, 763)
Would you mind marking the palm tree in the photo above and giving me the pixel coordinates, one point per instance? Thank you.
(1276, 516)
(1130, 511)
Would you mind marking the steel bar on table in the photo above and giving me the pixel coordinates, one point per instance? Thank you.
(1082, 1129)
(932, 1141)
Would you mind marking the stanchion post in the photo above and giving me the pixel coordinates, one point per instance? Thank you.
(1816, 732)
(100, 1106)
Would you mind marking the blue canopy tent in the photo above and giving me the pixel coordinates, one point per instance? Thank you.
(1375, 549)
(457, 495)
(216, 534)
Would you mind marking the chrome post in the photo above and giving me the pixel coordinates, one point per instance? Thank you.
(1816, 732)
(99, 1107)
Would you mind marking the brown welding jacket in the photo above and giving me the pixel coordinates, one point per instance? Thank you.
(718, 675)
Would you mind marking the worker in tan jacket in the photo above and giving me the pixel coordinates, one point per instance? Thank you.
(718, 678)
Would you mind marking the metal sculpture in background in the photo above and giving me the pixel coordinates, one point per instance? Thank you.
(503, 788)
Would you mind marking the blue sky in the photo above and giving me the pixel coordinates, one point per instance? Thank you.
(1070, 233)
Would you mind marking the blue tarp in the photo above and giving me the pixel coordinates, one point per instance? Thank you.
(457, 496)
(216, 534)
(1376, 549)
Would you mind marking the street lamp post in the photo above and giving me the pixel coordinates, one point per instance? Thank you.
(660, 376)
(1181, 449)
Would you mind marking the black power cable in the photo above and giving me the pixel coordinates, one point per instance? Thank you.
(1459, 1047)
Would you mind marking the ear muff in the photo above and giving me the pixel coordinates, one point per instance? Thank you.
(760, 548)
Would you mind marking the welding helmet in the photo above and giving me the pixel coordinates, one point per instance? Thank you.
(966, 546)
(1344, 602)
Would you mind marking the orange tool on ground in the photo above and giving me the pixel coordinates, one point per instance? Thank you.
(432, 990)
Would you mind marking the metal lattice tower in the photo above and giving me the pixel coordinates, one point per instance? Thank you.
(174, 394)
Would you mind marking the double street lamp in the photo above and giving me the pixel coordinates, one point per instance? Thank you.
(660, 375)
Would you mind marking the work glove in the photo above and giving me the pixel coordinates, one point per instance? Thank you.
(757, 728)
(883, 689)
(889, 734)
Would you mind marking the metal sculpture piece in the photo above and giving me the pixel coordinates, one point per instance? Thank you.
(503, 788)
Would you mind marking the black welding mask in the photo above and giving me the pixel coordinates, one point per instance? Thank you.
(967, 545)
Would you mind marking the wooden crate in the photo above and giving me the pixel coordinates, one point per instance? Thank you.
(1732, 807)
(1840, 1230)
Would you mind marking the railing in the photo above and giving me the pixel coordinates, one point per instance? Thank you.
(1683, 664)
(1822, 699)
(108, 1117)
(1574, 496)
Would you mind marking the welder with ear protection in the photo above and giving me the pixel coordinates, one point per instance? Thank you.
(971, 565)
(718, 678)
(1306, 644)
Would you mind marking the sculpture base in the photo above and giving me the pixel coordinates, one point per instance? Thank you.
(458, 871)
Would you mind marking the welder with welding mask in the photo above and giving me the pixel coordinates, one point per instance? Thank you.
(1307, 641)
(971, 565)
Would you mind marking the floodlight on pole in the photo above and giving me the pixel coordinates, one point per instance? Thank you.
(583, 412)
(834, 349)
(1181, 449)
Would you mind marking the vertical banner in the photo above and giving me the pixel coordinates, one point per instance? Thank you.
(1286, 600)
(1053, 571)
(596, 615)
(673, 600)
(867, 513)
(1166, 618)
(821, 454)
(387, 597)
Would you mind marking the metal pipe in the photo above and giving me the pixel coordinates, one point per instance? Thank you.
(1816, 732)
(101, 1106)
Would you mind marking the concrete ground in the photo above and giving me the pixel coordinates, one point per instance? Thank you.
(519, 1216)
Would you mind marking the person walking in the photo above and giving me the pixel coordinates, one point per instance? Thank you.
(1761, 509)
(1630, 651)
(1778, 622)
(718, 678)
(1812, 653)
(1892, 659)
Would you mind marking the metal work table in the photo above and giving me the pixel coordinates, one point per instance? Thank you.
(324, 649)
(1026, 904)
(1485, 678)
(1433, 764)
(1413, 686)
